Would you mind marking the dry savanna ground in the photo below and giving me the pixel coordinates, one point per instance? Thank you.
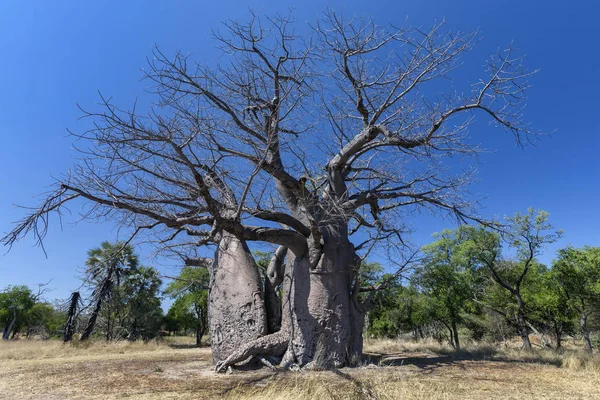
(173, 369)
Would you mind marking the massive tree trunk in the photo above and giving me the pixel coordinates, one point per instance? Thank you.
(336, 337)
(320, 324)
(326, 323)
(235, 304)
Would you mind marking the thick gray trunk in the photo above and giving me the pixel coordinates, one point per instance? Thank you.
(236, 307)
(355, 346)
(327, 327)
(320, 324)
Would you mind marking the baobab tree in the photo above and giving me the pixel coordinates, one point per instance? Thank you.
(319, 144)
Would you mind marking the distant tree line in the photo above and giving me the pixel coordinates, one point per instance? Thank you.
(487, 284)
(123, 302)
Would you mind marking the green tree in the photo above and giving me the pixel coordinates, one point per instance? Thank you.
(142, 303)
(525, 235)
(190, 291)
(44, 319)
(446, 278)
(106, 266)
(577, 271)
(180, 316)
(550, 308)
(15, 304)
(390, 314)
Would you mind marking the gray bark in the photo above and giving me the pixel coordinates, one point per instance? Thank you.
(11, 326)
(274, 278)
(236, 307)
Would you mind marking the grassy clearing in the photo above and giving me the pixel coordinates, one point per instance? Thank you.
(392, 370)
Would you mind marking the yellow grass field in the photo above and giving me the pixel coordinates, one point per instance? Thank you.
(394, 370)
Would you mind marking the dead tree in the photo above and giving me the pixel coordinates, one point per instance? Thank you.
(319, 143)
(70, 325)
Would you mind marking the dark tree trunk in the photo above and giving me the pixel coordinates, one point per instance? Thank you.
(201, 324)
(522, 323)
(89, 329)
(558, 335)
(450, 336)
(357, 320)
(586, 333)
(326, 323)
(455, 336)
(199, 334)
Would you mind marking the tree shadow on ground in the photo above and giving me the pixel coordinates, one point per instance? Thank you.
(430, 362)
(184, 346)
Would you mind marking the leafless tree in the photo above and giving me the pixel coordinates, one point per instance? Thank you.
(319, 143)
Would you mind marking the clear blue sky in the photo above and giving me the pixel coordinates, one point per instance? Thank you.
(59, 53)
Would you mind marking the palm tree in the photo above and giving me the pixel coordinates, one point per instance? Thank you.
(105, 267)
(69, 329)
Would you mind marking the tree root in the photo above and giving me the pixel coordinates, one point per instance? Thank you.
(270, 345)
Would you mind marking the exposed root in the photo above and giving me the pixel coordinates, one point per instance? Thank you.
(267, 363)
(269, 345)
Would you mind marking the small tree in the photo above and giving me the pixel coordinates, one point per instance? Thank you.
(44, 320)
(190, 291)
(526, 234)
(15, 304)
(577, 271)
(180, 317)
(142, 303)
(447, 279)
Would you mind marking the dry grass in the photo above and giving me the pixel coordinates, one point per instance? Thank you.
(393, 370)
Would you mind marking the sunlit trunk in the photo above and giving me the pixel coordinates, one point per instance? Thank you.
(236, 307)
